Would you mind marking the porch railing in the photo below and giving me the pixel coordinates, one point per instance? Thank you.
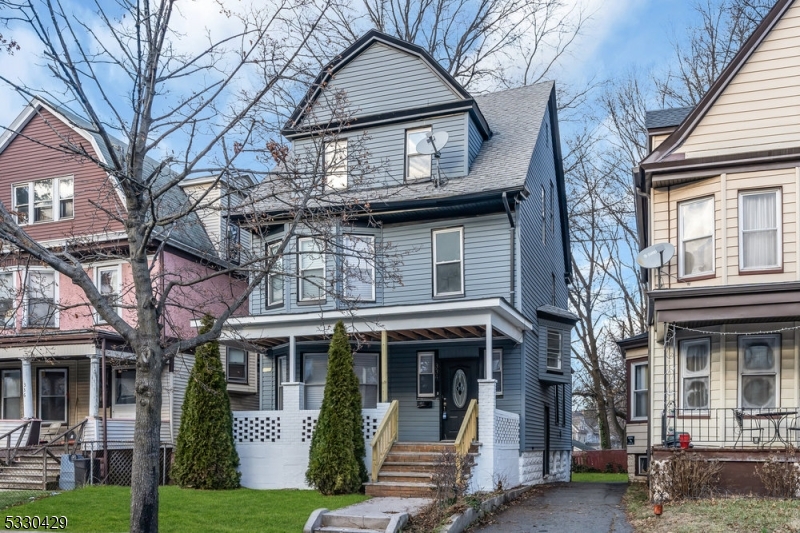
(732, 427)
(30, 427)
(385, 437)
(70, 440)
(469, 429)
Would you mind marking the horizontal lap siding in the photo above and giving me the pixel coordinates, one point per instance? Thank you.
(475, 141)
(180, 380)
(268, 382)
(25, 160)
(759, 109)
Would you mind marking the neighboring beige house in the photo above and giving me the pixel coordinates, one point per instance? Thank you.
(638, 377)
(721, 185)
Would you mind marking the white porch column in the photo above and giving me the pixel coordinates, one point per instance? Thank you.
(27, 389)
(293, 396)
(484, 472)
(384, 366)
(292, 359)
(488, 354)
(94, 386)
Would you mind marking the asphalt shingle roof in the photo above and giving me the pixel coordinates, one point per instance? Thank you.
(666, 118)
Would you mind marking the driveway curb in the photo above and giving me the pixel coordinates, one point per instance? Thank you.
(461, 521)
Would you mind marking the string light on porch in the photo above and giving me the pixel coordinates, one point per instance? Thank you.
(738, 333)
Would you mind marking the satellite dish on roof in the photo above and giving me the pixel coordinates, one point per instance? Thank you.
(433, 143)
(656, 256)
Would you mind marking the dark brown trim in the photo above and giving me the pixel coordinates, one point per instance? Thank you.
(728, 290)
(764, 271)
(637, 341)
(697, 278)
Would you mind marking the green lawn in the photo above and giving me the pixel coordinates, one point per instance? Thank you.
(105, 509)
(600, 477)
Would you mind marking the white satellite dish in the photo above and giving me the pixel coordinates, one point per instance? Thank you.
(433, 143)
(656, 256)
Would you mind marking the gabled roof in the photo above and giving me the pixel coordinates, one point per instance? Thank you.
(665, 149)
(352, 52)
(665, 118)
(188, 234)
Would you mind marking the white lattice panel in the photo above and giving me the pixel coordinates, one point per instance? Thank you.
(309, 425)
(506, 430)
(369, 426)
(256, 429)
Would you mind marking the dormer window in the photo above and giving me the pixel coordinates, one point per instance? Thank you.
(52, 199)
(336, 164)
(418, 166)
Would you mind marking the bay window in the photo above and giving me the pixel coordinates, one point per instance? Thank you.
(695, 355)
(760, 230)
(696, 227)
(639, 396)
(448, 262)
(359, 268)
(554, 350)
(759, 363)
(311, 270)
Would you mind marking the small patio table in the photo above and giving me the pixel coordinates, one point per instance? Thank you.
(776, 417)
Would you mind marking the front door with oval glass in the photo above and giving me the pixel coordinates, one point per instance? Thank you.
(459, 387)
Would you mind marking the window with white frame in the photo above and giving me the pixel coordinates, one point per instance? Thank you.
(336, 164)
(696, 226)
(40, 294)
(53, 394)
(448, 259)
(695, 355)
(759, 367)
(315, 373)
(233, 242)
(366, 368)
(642, 464)
(282, 377)
(418, 166)
(275, 276)
(7, 299)
(760, 230)
(236, 363)
(123, 403)
(12, 395)
(311, 270)
(108, 281)
(44, 200)
(497, 369)
(426, 374)
(554, 344)
(359, 268)
(639, 396)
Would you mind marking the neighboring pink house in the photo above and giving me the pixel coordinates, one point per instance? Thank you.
(55, 352)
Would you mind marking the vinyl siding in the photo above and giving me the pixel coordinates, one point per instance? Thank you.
(210, 215)
(268, 382)
(759, 108)
(475, 140)
(410, 83)
(180, 380)
(638, 428)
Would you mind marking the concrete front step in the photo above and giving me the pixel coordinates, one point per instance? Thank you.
(334, 529)
(359, 523)
(399, 489)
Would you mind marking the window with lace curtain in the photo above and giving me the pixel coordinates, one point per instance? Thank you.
(696, 227)
(760, 230)
(695, 357)
(759, 364)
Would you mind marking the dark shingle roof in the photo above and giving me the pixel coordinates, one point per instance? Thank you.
(666, 118)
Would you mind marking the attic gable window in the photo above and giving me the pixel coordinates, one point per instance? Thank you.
(336, 164)
(46, 200)
(418, 166)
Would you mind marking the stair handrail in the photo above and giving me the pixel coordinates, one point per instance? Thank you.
(469, 429)
(11, 453)
(385, 437)
(69, 447)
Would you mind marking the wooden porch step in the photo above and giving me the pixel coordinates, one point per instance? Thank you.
(429, 447)
(399, 489)
(408, 466)
(404, 477)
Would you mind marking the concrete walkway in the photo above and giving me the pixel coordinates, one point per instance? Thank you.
(564, 508)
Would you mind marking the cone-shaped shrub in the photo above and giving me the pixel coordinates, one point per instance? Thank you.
(336, 459)
(205, 455)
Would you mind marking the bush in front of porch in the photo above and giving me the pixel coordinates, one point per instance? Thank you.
(336, 458)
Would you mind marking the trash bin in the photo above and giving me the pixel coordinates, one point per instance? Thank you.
(66, 480)
(81, 471)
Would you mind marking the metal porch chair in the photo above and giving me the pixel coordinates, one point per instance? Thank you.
(794, 427)
(739, 417)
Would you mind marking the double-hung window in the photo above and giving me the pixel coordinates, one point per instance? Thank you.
(7, 299)
(312, 270)
(336, 164)
(448, 262)
(639, 396)
(44, 200)
(760, 230)
(315, 374)
(554, 350)
(426, 374)
(12, 394)
(695, 355)
(359, 268)
(366, 368)
(123, 403)
(233, 243)
(236, 362)
(696, 227)
(759, 364)
(53, 395)
(41, 310)
(418, 166)
(107, 280)
(275, 276)
(497, 369)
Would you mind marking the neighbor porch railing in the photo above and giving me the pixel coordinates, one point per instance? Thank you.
(385, 437)
(29, 427)
(469, 429)
(768, 427)
(70, 440)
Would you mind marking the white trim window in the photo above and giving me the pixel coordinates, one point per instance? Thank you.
(123, 401)
(12, 394)
(639, 393)
(418, 166)
(108, 281)
(696, 226)
(426, 374)
(53, 394)
(275, 276)
(336, 164)
(315, 372)
(45, 200)
(41, 295)
(366, 368)
(695, 355)
(497, 370)
(760, 230)
(236, 365)
(7, 300)
(282, 375)
(554, 347)
(359, 268)
(759, 369)
(448, 262)
(311, 281)
(642, 464)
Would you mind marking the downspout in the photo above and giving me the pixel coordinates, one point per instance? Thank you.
(512, 246)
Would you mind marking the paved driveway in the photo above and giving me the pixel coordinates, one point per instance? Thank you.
(564, 508)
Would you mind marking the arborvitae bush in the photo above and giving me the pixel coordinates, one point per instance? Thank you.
(205, 455)
(336, 459)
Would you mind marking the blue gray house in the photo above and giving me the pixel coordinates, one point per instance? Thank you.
(465, 343)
